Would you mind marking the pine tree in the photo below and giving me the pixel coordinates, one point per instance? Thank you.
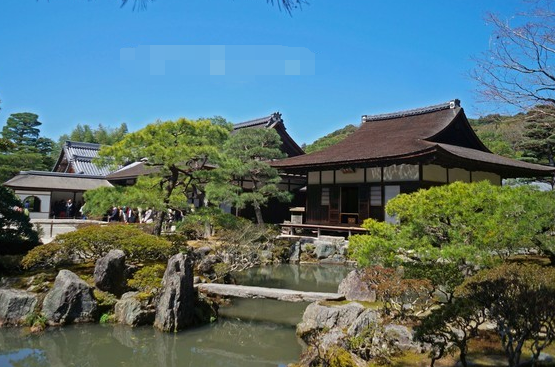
(22, 148)
(539, 136)
(248, 155)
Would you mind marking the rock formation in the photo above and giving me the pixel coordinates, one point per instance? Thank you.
(176, 307)
(69, 301)
(15, 305)
(110, 273)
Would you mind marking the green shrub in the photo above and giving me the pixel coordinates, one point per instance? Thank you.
(104, 299)
(46, 256)
(196, 224)
(106, 318)
(464, 223)
(148, 279)
(36, 321)
(91, 242)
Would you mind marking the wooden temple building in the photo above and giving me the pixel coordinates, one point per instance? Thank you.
(397, 153)
(73, 174)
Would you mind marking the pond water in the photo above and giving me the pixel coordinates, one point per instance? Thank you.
(249, 332)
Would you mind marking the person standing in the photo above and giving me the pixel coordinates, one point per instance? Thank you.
(70, 209)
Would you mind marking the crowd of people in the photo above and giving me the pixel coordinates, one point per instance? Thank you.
(124, 214)
(128, 214)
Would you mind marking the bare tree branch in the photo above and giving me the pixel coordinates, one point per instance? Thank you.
(518, 68)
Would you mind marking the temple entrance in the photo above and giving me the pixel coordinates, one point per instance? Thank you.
(349, 205)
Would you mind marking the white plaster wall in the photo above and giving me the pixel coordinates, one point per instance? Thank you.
(355, 177)
(314, 178)
(44, 202)
(374, 174)
(327, 177)
(402, 172)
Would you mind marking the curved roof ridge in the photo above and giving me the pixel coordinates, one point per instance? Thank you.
(413, 112)
(80, 144)
(267, 120)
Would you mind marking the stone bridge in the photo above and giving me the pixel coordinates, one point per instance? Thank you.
(288, 295)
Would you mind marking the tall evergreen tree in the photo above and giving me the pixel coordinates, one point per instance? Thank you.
(22, 129)
(539, 136)
(22, 146)
(248, 155)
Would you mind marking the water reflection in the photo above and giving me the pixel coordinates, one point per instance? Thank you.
(249, 332)
(226, 343)
(306, 277)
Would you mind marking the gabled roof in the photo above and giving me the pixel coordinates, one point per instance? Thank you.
(131, 171)
(39, 180)
(439, 133)
(77, 157)
(273, 121)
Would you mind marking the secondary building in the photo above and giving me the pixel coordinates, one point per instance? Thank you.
(397, 153)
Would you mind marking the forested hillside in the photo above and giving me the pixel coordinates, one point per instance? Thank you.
(501, 134)
(330, 139)
(525, 136)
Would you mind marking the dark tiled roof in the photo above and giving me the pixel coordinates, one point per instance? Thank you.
(79, 158)
(495, 163)
(260, 122)
(413, 136)
(289, 146)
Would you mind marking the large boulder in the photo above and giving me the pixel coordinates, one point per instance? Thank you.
(176, 307)
(324, 249)
(110, 273)
(129, 310)
(15, 305)
(366, 320)
(318, 316)
(354, 288)
(70, 300)
(401, 337)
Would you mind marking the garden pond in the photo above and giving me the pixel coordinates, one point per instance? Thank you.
(249, 332)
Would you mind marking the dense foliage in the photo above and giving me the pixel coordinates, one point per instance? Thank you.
(330, 139)
(87, 134)
(539, 136)
(501, 134)
(23, 148)
(148, 279)
(16, 232)
(248, 153)
(519, 299)
(463, 223)
(100, 135)
(91, 242)
(177, 155)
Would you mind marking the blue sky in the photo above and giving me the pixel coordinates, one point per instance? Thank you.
(92, 62)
